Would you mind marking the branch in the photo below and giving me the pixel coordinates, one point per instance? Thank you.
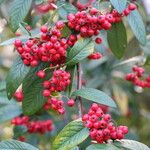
(79, 86)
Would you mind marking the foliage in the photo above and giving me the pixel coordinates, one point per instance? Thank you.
(91, 65)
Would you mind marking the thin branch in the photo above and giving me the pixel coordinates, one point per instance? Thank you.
(79, 86)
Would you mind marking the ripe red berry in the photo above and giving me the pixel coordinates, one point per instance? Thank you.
(18, 43)
(46, 93)
(44, 29)
(22, 139)
(132, 6)
(59, 25)
(70, 102)
(41, 74)
(18, 96)
(98, 40)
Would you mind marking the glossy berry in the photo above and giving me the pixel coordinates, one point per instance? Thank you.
(70, 102)
(44, 29)
(98, 40)
(18, 96)
(41, 74)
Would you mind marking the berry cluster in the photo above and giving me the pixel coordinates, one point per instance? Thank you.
(20, 121)
(46, 7)
(40, 127)
(72, 39)
(130, 8)
(101, 127)
(56, 104)
(89, 23)
(59, 82)
(95, 55)
(136, 77)
(18, 95)
(50, 47)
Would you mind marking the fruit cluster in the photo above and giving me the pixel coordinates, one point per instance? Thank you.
(101, 126)
(89, 23)
(50, 47)
(56, 104)
(58, 82)
(40, 127)
(136, 77)
(130, 8)
(46, 7)
(95, 55)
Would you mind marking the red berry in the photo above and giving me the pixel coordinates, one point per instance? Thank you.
(132, 6)
(41, 74)
(70, 102)
(44, 29)
(18, 43)
(98, 40)
(19, 96)
(46, 93)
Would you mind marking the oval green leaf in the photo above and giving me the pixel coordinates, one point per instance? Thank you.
(132, 145)
(82, 49)
(137, 26)
(15, 76)
(95, 96)
(18, 11)
(15, 145)
(32, 87)
(117, 39)
(72, 135)
(102, 147)
(65, 8)
(119, 5)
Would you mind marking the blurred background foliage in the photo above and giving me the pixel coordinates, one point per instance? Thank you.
(106, 74)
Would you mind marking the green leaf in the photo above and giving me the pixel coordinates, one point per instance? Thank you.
(131, 145)
(75, 148)
(81, 49)
(95, 96)
(19, 131)
(72, 70)
(72, 135)
(15, 76)
(38, 2)
(65, 32)
(12, 40)
(119, 5)
(18, 11)
(16, 145)
(33, 98)
(33, 88)
(137, 26)
(65, 8)
(6, 107)
(102, 147)
(117, 39)
(22, 26)
(24, 38)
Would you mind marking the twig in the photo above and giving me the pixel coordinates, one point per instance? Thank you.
(79, 86)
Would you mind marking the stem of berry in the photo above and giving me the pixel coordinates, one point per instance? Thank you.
(79, 86)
